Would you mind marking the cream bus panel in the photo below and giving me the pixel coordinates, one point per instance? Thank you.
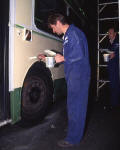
(23, 12)
(25, 49)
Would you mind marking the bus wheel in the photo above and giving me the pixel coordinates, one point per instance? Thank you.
(36, 97)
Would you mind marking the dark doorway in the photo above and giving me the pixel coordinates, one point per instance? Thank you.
(4, 47)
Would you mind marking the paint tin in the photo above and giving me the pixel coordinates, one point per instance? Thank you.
(106, 57)
(50, 62)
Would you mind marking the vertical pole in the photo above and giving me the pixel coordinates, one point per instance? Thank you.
(98, 55)
(119, 37)
(11, 43)
(68, 10)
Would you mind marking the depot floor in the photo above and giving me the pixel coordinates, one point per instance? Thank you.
(102, 131)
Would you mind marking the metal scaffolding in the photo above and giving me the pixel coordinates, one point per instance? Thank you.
(103, 22)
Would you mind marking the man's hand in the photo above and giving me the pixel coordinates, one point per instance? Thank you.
(112, 55)
(41, 57)
(59, 58)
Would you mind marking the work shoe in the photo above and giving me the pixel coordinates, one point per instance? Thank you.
(63, 143)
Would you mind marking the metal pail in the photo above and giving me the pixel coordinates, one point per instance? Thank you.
(106, 57)
(50, 62)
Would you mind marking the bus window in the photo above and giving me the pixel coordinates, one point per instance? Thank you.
(42, 10)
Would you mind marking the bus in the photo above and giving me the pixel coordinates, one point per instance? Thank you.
(27, 86)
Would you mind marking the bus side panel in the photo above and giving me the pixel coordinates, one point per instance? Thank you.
(60, 89)
(24, 12)
(24, 50)
(15, 97)
(22, 62)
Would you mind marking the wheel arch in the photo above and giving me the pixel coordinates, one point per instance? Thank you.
(38, 68)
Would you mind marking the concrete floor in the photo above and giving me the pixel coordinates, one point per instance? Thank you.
(102, 131)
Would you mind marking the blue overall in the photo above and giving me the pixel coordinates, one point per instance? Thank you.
(113, 71)
(77, 74)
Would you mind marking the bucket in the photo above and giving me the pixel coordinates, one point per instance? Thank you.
(106, 57)
(50, 62)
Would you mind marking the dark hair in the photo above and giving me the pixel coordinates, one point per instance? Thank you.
(113, 27)
(54, 17)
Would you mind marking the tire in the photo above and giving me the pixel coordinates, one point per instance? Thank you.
(37, 95)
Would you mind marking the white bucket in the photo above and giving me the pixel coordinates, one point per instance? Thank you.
(50, 62)
(106, 57)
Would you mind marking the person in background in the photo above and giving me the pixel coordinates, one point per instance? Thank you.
(77, 74)
(113, 67)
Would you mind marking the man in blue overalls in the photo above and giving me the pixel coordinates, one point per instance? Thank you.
(113, 68)
(77, 74)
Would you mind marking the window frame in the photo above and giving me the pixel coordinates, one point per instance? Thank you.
(40, 31)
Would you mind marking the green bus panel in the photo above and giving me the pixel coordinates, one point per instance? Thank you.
(15, 102)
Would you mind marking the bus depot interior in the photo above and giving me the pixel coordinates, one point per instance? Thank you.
(84, 14)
